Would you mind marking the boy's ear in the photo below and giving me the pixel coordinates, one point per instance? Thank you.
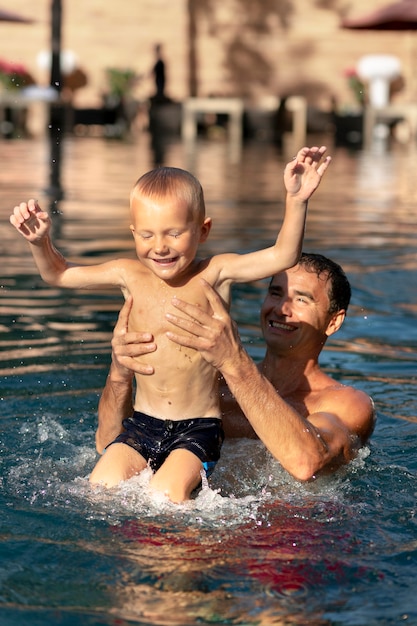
(205, 229)
(336, 322)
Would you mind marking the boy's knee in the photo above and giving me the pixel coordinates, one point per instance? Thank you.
(118, 463)
(177, 493)
(178, 476)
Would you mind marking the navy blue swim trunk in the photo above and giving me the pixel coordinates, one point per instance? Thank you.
(156, 438)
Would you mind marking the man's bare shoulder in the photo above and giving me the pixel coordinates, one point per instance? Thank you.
(353, 407)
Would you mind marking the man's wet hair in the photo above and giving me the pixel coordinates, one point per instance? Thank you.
(339, 290)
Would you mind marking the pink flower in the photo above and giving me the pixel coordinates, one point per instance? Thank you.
(350, 72)
(8, 67)
(14, 75)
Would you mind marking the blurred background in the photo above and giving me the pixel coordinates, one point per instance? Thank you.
(262, 52)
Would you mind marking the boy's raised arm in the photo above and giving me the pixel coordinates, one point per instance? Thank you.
(34, 225)
(302, 176)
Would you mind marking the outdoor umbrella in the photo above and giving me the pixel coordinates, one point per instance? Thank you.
(8, 16)
(400, 15)
(396, 16)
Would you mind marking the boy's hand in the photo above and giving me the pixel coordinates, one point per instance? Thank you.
(303, 174)
(31, 221)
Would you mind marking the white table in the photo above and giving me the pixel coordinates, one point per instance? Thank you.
(35, 101)
(233, 107)
(389, 113)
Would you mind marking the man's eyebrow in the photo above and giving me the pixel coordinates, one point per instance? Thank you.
(305, 294)
(297, 292)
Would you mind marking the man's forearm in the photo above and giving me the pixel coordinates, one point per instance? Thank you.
(290, 438)
(114, 406)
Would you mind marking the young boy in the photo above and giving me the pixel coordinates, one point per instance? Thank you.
(176, 425)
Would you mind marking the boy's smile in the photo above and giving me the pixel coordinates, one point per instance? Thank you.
(167, 234)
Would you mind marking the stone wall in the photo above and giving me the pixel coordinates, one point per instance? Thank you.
(257, 49)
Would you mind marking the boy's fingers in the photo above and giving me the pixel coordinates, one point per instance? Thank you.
(26, 213)
(20, 214)
(323, 167)
(33, 204)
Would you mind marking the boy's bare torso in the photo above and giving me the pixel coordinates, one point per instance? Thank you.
(183, 384)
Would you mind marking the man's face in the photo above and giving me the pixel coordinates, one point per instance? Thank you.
(295, 313)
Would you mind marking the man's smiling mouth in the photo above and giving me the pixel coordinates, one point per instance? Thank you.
(280, 325)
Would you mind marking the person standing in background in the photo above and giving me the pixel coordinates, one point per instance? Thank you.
(158, 72)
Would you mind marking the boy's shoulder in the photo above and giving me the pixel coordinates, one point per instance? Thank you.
(126, 267)
(219, 260)
(212, 268)
(130, 264)
(209, 264)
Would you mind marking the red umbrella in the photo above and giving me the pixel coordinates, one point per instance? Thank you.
(400, 15)
(397, 16)
(8, 16)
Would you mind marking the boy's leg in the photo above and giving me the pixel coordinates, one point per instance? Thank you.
(119, 462)
(178, 476)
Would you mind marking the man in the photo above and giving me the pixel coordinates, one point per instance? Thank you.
(308, 421)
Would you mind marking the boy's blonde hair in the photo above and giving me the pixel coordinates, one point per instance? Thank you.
(172, 181)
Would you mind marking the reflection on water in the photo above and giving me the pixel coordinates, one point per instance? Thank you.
(254, 547)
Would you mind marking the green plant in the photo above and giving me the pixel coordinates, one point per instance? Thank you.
(120, 82)
(356, 85)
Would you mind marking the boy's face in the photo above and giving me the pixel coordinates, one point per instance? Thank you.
(166, 233)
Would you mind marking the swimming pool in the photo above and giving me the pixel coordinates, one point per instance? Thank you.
(255, 546)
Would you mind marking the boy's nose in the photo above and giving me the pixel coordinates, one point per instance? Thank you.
(160, 246)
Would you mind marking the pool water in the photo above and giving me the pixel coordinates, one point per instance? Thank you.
(255, 547)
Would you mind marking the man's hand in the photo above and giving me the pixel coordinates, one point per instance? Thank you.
(31, 222)
(303, 174)
(116, 400)
(126, 346)
(214, 336)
